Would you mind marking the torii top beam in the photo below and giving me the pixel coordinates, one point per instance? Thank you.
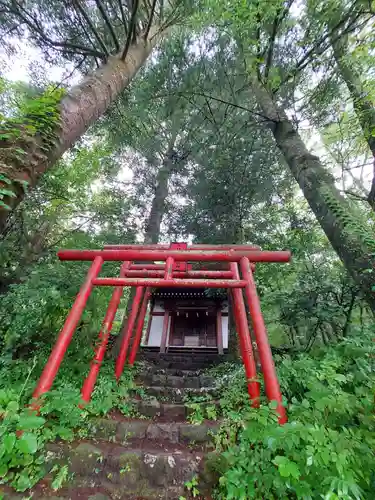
(177, 255)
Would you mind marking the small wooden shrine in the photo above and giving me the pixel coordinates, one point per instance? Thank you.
(187, 318)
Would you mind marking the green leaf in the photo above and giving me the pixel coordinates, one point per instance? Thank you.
(9, 442)
(64, 433)
(60, 478)
(5, 179)
(28, 443)
(3, 470)
(8, 192)
(30, 422)
(13, 406)
(287, 467)
(4, 205)
(23, 482)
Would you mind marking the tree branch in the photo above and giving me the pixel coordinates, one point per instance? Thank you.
(34, 26)
(279, 18)
(87, 35)
(355, 195)
(149, 24)
(201, 94)
(130, 29)
(108, 23)
(91, 26)
(305, 60)
(124, 20)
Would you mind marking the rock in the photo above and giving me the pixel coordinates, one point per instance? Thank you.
(85, 458)
(175, 381)
(192, 382)
(207, 381)
(87, 449)
(174, 411)
(159, 380)
(194, 433)
(157, 392)
(49, 498)
(154, 469)
(150, 408)
(131, 429)
(103, 428)
(180, 468)
(163, 432)
(130, 464)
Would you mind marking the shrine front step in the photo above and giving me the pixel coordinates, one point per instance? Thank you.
(86, 489)
(180, 395)
(137, 470)
(145, 432)
(182, 361)
(184, 379)
(113, 471)
(167, 411)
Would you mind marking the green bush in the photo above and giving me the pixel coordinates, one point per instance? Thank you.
(23, 435)
(326, 450)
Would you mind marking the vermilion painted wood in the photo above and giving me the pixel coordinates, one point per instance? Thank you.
(189, 247)
(173, 283)
(242, 328)
(139, 328)
(178, 255)
(169, 263)
(155, 267)
(179, 274)
(67, 331)
(180, 265)
(149, 273)
(271, 382)
(147, 267)
(104, 334)
(120, 362)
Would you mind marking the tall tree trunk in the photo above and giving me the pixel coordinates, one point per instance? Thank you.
(79, 109)
(152, 230)
(362, 103)
(353, 245)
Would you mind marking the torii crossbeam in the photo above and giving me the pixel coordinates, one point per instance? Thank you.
(175, 271)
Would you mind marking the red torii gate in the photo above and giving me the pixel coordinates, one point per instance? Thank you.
(175, 272)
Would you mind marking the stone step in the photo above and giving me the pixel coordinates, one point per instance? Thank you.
(178, 381)
(138, 471)
(162, 411)
(143, 432)
(183, 365)
(85, 489)
(175, 372)
(181, 362)
(179, 395)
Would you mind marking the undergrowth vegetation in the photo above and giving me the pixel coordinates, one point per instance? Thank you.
(326, 450)
(24, 434)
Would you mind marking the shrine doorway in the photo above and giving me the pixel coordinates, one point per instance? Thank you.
(193, 329)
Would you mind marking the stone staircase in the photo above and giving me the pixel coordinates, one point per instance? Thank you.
(148, 457)
(183, 358)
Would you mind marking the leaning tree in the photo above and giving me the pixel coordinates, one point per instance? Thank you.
(277, 56)
(108, 40)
